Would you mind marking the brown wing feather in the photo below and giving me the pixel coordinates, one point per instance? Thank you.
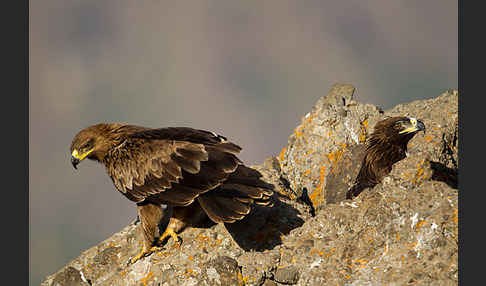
(186, 134)
(156, 165)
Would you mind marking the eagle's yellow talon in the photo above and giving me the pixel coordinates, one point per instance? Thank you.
(140, 255)
(145, 252)
(170, 232)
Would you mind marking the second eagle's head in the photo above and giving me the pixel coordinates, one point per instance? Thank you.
(396, 130)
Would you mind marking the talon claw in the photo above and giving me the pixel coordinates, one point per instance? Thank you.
(146, 252)
(170, 232)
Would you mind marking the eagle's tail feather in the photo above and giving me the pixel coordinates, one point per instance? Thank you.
(220, 210)
(233, 199)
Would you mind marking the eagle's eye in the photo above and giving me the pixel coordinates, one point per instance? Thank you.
(87, 145)
(399, 125)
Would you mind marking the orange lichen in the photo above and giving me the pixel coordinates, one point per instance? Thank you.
(317, 196)
(309, 119)
(147, 278)
(361, 262)
(363, 131)
(282, 154)
(306, 173)
(242, 280)
(336, 156)
(413, 246)
(428, 138)
(216, 242)
(314, 250)
(365, 123)
(203, 238)
(385, 250)
(421, 175)
(419, 224)
(455, 217)
(321, 253)
(330, 252)
(298, 131)
(190, 273)
(397, 236)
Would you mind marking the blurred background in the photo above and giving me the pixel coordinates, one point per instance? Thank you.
(248, 70)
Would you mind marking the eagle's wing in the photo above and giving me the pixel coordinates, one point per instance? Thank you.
(171, 165)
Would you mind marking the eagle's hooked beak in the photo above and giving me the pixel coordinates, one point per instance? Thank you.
(76, 157)
(75, 162)
(420, 126)
(415, 126)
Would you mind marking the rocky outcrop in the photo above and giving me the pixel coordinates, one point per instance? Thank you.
(401, 232)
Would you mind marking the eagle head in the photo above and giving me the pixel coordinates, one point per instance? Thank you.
(94, 141)
(396, 130)
(409, 125)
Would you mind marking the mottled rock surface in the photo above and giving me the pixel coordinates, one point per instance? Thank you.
(401, 232)
(323, 154)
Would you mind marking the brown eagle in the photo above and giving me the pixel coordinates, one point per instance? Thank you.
(175, 172)
(385, 146)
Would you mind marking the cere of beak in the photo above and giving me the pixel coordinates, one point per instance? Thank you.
(75, 162)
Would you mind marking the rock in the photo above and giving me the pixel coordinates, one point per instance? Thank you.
(324, 153)
(269, 283)
(401, 232)
(224, 270)
(287, 275)
(70, 276)
(325, 148)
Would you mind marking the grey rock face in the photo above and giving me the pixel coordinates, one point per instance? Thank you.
(401, 232)
(287, 275)
(69, 277)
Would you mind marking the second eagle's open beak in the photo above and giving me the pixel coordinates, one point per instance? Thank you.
(415, 126)
(76, 157)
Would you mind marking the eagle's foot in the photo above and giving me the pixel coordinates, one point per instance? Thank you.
(145, 252)
(170, 232)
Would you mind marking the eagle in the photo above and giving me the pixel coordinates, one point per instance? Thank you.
(385, 146)
(179, 173)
